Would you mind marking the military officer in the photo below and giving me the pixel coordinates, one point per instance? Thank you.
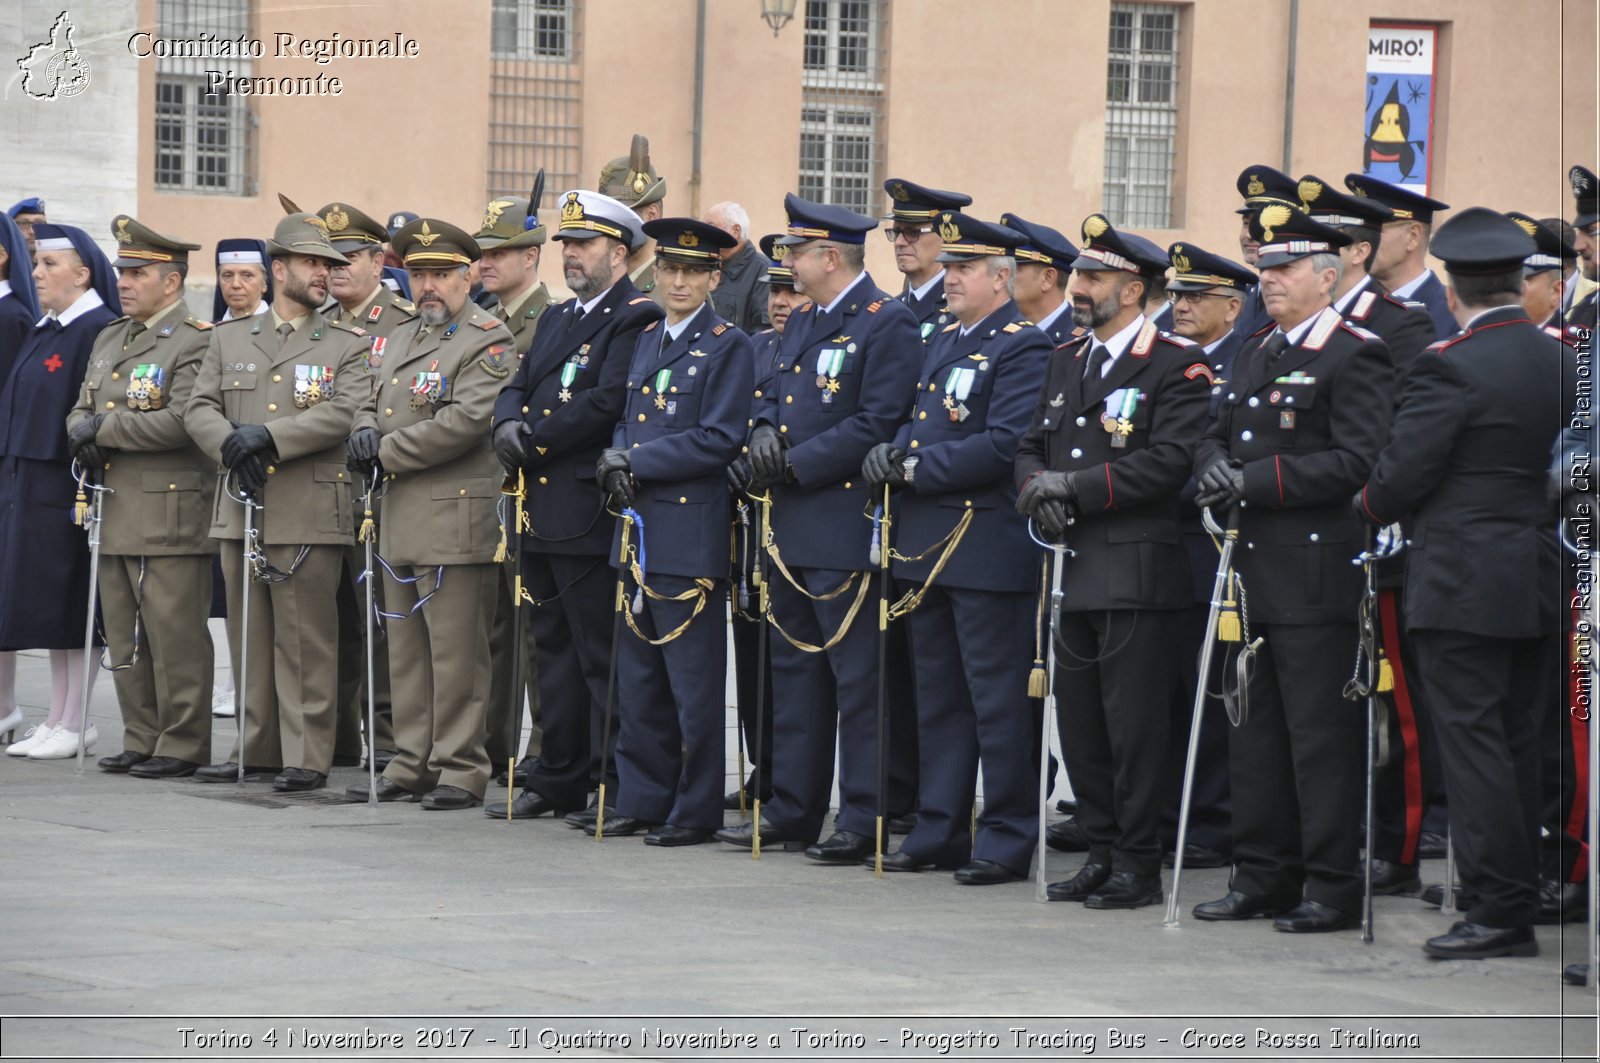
(512, 241)
(741, 296)
(155, 572)
(361, 300)
(273, 403)
(965, 573)
(1583, 311)
(1044, 262)
(688, 392)
(426, 430)
(1258, 185)
(1400, 261)
(1465, 464)
(1208, 294)
(632, 181)
(244, 285)
(1110, 448)
(917, 247)
(552, 419)
(843, 383)
(1298, 428)
(1542, 282)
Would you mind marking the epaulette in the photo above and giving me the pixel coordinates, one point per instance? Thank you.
(236, 320)
(652, 326)
(1363, 305)
(487, 323)
(803, 307)
(405, 304)
(195, 322)
(1415, 305)
(343, 328)
(1436, 347)
(1324, 327)
(872, 307)
(1366, 334)
(720, 329)
(1144, 341)
(951, 327)
(358, 331)
(1178, 341)
(641, 299)
(1016, 326)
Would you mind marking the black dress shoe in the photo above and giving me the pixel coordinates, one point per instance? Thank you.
(1124, 889)
(1390, 880)
(900, 860)
(1561, 902)
(622, 827)
(669, 836)
(388, 790)
(526, 805)
(904, 823)
(229, 772)
(840, 847)
(1089, 878)
(985, 873)
(347, 760)
(1575, 974)
(118, 763)
(297, 779)
(519, 774)
(1431, 846)
(1236, 905)
(1066, 806)
(1197, 855)
(383, 758)
(163, 768)
(744, 835)
(450, 799)
(1314, 917)
(1066, 836)
(1474, 941)
(583, 818)
(1434, 895)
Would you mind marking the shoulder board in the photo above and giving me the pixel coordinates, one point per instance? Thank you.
(1178, 341)
(1366, 334)
(951, 327)
(1264, 329)
(1363, 305)
(764, 332)
(803, 307)
(194, 322)
(872, 307)
(1325, 326)
(720, 329)
(1415, 305)
(1016, 326)
(358, 331)
(641, 299)
(235, 321)
(1078, 330)
(405, 304)
(652, 326)
(1143, 342)
(487, 323)
(120, 320)
(330, 323)
(1198, 370)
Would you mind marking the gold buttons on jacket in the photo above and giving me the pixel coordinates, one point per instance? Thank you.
(544, 480)
(783, 428)
(913, 444)
(645, 390)
(388, 411)
(462, 492)
(393, 381)
(682, 499)
(111, 405)
(271, 469)
(116, 376)
(546, 413)
(172, 487)
(272, 407)
(277, 378)
(788, 398)
(641, 417)
(923, 416)
(525, 410)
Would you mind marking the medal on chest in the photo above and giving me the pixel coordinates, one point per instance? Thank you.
(663, 381)
(569, 373)
(146, 387)
(312, 384)
(957, 386)
(829, 361)
(1118, 416)
(427, 387)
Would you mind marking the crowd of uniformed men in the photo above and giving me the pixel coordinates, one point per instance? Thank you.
(875, 488)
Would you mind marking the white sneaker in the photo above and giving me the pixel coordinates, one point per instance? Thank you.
(221, 702)
(35, 734)
(63, 744)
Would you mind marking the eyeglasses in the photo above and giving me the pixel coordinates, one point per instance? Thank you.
(910, 235)
(1194, 297)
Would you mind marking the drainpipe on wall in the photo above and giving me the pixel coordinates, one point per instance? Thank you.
(1288, 91)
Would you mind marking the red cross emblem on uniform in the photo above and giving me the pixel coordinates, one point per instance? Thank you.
(53, 362)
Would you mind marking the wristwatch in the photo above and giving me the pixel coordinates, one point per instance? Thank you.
(908, 469)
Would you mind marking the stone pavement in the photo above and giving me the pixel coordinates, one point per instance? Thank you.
(127, 897)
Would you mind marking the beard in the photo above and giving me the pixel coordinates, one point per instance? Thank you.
(433, 311)
(298, 291)
(587, 282)
(1093, 315)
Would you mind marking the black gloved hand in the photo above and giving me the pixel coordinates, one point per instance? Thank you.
(618, 483)
(883, 466)
(1358, 506)
(1046, 484)
(511, 439)
(248, 440)
(767, 456)
(82, 434)
(1052, 515)
(739, 474)
(612, 459)
(92, 457)
(251, 475)
(362, 449)
(1221, 485)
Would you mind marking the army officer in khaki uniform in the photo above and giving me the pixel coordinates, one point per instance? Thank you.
(155, 577)
(274, 402)
(427, 428)
(512, 242)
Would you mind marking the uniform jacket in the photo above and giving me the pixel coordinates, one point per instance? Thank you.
(1584, 312)
(246, 378)
(1253, 316)
(1430, 293)
(1464, 471)
(442, 477)
(681, 439)
(572, 422)
(930, 311)
(1128, 543)
(1405, 328)
(1306, 430)
(162, 484)
(526, 323)
(870, 356)
(973, 400)
(1202, 552)
(43, 382)
(741, 295)
(15, 321)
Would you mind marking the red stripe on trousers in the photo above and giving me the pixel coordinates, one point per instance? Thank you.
(1389, 621)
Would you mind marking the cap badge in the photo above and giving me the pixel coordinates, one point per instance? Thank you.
(1180, 261)
(688, 239)
(949, 232)
(1255, 187)
(1526, 226)
(1359, 191)
(779, 252)
(639, 183)
(1272, 216)
(337, 219)
(425, 236)
(898, 191)
(1093, 226)
(123, 235)
(1309, 191)
(572, 210)
(491, 213)
(1580, 182)
(312, 219)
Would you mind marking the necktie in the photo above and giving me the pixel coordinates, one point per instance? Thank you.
(135, 328)
(1274, 346)
(1097, 361)
(285, 330)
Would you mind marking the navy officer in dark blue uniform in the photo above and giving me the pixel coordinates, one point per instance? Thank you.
(971, 623)
(1400, 263)
(917, 248)
(683, 422)
(552, 421)
(1109, 449)
(844, 380)
(1298, 429)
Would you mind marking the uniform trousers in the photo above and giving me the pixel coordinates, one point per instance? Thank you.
(165, 695)
(1210, 807)
(505, 707)
(974, 649)
(1408, 783)
(1297, 770)
(294, 638)
(746, 637)
(1114, 674)
(1485, 696)
(439, 673)
(671, 740)
(352, 602)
